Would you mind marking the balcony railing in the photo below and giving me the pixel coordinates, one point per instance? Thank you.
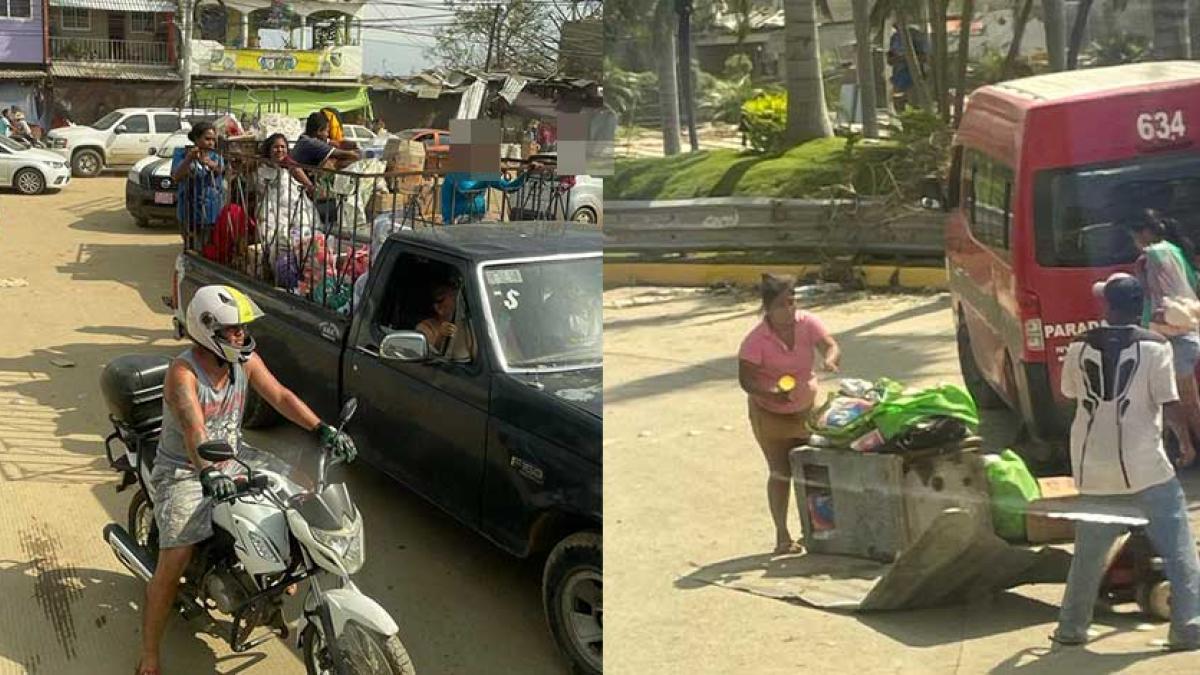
(109, 51)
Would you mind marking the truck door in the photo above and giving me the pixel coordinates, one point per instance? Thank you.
(423, 423)
(130, 141)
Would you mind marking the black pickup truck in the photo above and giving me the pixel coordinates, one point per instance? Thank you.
(504, 432)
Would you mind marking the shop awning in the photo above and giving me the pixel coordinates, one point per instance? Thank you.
(119, 5)
(114, 71)
(300, 102)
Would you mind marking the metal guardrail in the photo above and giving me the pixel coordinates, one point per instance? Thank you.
(112, 51)
(313, 231)
(761, 224)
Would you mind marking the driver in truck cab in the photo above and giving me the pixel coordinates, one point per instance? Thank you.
(204, 395)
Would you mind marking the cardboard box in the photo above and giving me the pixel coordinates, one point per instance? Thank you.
(404, 156)
(1040, 529)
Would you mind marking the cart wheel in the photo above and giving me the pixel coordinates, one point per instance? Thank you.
(1154, 599)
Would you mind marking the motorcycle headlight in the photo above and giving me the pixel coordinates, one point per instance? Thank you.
(346, 542)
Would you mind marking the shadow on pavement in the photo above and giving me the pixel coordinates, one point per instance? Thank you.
(1058, 660)
(150, 277)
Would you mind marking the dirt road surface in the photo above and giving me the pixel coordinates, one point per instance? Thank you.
(686, 492)
(81, 284)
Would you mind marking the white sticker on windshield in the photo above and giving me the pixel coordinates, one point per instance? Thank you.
(505, 276)
(511, 299)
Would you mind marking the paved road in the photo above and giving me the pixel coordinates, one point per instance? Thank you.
(685, 496)
(79, 285)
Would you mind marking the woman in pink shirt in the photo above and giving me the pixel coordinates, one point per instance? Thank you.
(775, 367)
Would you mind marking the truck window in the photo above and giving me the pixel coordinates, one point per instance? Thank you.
(137, 124)
(989, 192)
(1079, 211)
(419, 291)
(166, 124)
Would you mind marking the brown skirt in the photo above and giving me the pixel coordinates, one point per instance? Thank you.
(772, 429)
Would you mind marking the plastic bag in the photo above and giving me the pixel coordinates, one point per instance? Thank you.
(1012, 487)
(901, 409)
(843, 412)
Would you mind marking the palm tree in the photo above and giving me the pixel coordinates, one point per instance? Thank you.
(655, 22)
(807, 115)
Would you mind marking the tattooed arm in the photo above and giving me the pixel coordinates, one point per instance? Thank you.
(180, 396)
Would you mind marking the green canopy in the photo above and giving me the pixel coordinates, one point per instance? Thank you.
(300, 102)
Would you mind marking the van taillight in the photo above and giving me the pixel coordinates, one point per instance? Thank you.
(1031, 321)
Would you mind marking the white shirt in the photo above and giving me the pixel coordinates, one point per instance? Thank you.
(1116, 438)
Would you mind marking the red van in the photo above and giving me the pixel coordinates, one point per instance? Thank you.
(1044, 169)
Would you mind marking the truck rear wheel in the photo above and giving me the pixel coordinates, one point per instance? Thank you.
(985, 397)
(573, 597)
(259, 414)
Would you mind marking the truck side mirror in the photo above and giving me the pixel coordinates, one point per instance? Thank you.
(152, 152)
(405, 345)
(121, 129)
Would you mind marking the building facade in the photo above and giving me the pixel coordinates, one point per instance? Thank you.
(23, 57)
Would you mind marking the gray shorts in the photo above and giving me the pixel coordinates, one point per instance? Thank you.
(1186, 349)
(181, 511)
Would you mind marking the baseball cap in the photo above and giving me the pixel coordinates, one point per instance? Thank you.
(1119, 289)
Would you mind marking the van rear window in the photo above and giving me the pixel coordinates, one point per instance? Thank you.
(1078, 212)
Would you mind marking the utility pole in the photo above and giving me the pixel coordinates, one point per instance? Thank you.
(684, 8)
(185, 50)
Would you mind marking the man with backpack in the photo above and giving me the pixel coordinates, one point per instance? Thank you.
(1122, 380)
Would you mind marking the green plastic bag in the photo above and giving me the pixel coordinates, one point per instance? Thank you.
(1012, 487)
(899, 410)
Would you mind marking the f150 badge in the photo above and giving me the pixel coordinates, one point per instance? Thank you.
(527, 470)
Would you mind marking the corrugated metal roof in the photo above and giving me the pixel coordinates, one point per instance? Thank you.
(114, 71)
(18, 74)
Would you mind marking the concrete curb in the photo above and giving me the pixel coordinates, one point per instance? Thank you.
(700, 274)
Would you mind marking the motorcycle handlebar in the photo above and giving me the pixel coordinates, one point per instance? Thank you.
(244, 487)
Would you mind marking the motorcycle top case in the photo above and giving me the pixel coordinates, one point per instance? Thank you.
(133, 389)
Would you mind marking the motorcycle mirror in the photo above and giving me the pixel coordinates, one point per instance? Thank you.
(215, 451)
(349, 409)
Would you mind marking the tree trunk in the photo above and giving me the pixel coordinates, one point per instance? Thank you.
(807, 115)
(1194, 21)
(688, 91)
(1056, 33)
(1020, 21)
(940, 58)
(865, 68)
(964, 48)
(1171, 38)
(1081, 17)
(668, 86)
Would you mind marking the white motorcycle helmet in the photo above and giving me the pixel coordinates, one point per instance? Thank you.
(214, 308)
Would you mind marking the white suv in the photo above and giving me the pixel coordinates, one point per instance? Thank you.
(120, 138)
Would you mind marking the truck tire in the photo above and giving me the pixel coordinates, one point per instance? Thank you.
(259, 414)
(572, 595)
(86, 163)
(985, 397)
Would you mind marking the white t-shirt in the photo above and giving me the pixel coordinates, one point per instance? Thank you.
(1116, 438)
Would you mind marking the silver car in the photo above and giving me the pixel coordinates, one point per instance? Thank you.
(31, 171)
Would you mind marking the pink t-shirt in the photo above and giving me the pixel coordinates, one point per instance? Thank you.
(764, 349)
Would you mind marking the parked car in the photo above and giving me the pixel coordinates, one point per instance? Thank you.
(149, 188)
(121, 138)
(505, 435)
(581, 198)
(29, 170)
(360, 134)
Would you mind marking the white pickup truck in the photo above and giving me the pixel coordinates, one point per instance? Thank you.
(120, 138)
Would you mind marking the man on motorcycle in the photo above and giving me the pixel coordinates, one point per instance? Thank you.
(204, 396)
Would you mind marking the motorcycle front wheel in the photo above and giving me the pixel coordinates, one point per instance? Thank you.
(367, 652)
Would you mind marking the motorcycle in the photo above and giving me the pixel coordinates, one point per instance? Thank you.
(271, 535)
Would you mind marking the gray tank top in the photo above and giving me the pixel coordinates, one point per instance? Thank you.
(222, 408)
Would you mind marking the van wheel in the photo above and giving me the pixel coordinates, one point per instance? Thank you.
(86, 163)
(985, 397)
(259, 414)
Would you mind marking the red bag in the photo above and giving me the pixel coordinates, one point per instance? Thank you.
(231, 232)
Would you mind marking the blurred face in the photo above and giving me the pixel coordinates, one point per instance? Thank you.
(782, 310)
(323, 133)
(279, 149)
(234, 335)
(207, 140)
(444, 305)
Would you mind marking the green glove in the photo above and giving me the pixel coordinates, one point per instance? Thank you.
(340, 445)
